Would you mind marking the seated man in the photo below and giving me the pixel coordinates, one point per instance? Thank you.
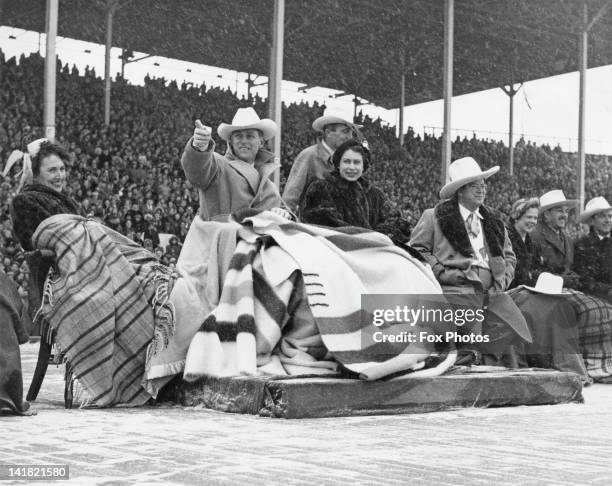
(593, 252)
(468, 248)
(240, 179)
(314, 162)
(550, 239)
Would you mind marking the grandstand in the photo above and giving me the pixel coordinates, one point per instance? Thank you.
(132, 166)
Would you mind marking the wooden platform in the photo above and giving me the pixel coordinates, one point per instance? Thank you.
(301, 397)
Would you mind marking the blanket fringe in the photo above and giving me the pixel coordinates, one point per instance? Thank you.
(164, 312)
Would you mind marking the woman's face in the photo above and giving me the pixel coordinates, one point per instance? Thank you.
(52, 173)
(527, 222)
(351, 165)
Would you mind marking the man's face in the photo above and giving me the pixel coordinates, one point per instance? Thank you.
(336, 134)
(556, 218)
(602, 222)
(472, 195)
(246, 144)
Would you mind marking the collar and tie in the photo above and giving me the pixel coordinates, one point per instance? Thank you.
(472, 225)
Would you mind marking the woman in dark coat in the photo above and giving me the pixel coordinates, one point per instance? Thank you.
(42, 195)
(43, 181)
(523, 220)
(347, 198)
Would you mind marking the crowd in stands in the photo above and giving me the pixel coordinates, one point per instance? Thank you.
(128, 174)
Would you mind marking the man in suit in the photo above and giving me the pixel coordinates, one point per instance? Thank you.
(551, 241)
(593, 252)
(314, 162)
(239, 179)
(469, 251)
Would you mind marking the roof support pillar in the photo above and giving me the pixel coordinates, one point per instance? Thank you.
(276, 78)
(401, 108)
(110, 12)
(583, 66)
(449, 6)
(50, 70)
(511, 91)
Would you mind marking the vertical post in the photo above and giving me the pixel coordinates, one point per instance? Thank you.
(448, 86)
(122, 62)
(50, 70)
(401, 108)
(107, 55)
(583, 61)
(511, 132)
(276, 78)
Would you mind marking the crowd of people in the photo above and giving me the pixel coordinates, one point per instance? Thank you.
(128, 175)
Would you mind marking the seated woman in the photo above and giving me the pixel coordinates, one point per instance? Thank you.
(105, 298)
(42, 193)
(523, 220)
(347, 198)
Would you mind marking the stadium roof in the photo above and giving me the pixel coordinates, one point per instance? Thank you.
(356, 46)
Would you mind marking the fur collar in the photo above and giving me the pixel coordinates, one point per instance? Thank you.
(453, 228)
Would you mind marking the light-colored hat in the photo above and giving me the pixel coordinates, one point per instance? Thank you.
(553, 199)
(245, 119)
(548, 283)
(333, 115)
(594, 206)
(462, 172)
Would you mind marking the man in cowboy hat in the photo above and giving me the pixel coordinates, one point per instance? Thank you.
(550, 240)
(314, 162)
(469, 251)
(593, 252)
(241, 178)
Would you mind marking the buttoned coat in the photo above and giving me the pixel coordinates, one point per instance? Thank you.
(593, 262)
(311, 164)
(556, 252)
(442, 238)
(227, 184)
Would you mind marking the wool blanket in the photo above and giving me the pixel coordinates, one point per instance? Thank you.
(594, 318)
(106, 301)
(286, 277)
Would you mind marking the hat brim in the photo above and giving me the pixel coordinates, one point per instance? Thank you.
(587, 214)
(320, 122)
(449, 189)
(267, 126)
(541, 291)
(567, 202)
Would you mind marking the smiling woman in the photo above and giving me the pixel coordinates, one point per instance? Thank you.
(44, 179)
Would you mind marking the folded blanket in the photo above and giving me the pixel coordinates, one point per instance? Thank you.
(107, 305)
(279, 268)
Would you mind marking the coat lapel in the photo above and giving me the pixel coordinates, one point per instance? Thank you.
(553, 238)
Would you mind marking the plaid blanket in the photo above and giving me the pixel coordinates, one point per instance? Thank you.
(285, 276)
(107, 305)
(595, 331)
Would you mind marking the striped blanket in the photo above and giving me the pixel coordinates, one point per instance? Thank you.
(594, 317)
(292, 296)
(107, 305)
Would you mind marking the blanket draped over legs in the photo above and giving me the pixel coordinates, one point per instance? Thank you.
(291, 302)
(107, 304)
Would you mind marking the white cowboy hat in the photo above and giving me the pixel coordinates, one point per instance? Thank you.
(334, 115)
(553, 199)
(594, 206)
(548, 283)
(462, 172)
(245, 119)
